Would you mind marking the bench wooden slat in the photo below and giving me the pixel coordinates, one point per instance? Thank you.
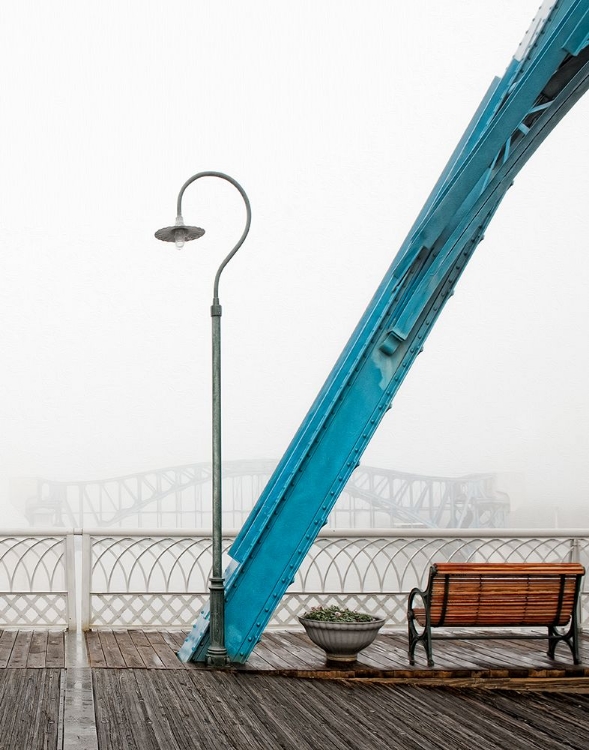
(503, 569)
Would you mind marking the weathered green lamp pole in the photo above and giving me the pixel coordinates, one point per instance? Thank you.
(180, 233)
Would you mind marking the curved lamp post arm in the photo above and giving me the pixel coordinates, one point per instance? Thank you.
(248, 222)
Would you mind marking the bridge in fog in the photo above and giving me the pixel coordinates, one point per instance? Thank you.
(180, 497)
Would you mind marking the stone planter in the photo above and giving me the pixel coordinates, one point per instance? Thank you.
(341, 641)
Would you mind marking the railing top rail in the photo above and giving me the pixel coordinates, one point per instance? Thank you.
(37, 531)
(471, 533)
(413, 533)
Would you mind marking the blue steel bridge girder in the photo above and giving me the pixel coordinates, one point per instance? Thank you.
(517, 113)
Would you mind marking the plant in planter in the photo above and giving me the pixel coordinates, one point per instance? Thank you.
(340, 632)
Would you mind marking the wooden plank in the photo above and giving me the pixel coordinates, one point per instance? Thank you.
(174, 638)
(139, 638)
(166, 715)
(145, 649)
(38, 650)
(55, 649)
(12, 679)
(312, 654)
(31, 725)
(7, 640)
(162, 649)
(20, 650)
(26, 690)
(256, 661)
(114, 730)
(135, 711)
(45, 732)
(96, 655)
(290, 650)
(102, 692)
(111, 650)
(128, 650)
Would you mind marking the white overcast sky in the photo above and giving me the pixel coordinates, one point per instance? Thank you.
(336, 116)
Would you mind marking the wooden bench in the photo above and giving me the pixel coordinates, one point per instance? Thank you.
(497, 595)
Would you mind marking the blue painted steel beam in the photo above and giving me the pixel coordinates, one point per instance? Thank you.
(544, 80)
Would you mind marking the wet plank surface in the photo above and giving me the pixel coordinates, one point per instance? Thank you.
(32, 649)
(135, 649)
(480, 694)
(292, 654)
(30, 708)
(137, 709)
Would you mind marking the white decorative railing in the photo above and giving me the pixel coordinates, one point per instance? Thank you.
(160, 579)
(155, 579)
(37, 579)
(143, 580)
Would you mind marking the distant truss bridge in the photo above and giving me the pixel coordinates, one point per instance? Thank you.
(180, 497)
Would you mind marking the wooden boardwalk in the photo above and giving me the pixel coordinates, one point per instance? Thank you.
(502, 694)
(139, 709)
(291, 654)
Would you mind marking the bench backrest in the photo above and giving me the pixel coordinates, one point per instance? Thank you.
(503, 594)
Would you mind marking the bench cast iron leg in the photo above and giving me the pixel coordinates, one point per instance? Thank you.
(571, 638)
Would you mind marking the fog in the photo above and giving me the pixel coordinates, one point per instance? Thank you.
(337, 118)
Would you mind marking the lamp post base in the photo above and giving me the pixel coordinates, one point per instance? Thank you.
(217, 657)
(217, 653)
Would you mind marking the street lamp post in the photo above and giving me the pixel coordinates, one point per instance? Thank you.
(181, 233)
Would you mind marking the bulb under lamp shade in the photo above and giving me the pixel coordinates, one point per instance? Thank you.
(180, 238)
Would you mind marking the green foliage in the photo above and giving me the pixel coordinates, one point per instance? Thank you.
(336, 614)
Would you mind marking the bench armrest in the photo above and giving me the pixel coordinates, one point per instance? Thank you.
(412, 595)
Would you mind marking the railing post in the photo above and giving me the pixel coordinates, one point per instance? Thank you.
(575, 556)
(70, 577)
(574, 553)
(86, 580)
